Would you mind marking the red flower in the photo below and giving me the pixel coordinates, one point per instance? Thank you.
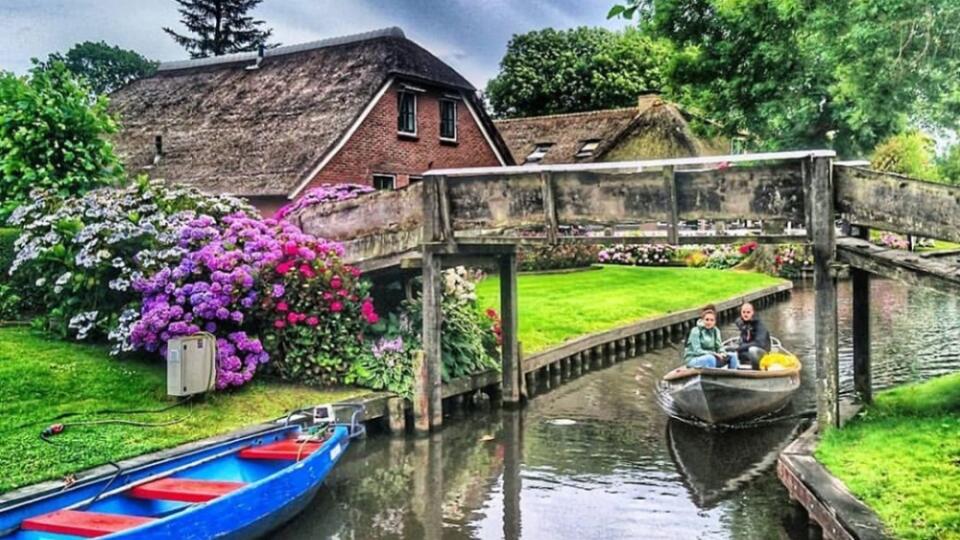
(290, 248)
(336, 307)
(336, 282)
(282, 306)
(284, 267)
(292, 318)
(307, 271)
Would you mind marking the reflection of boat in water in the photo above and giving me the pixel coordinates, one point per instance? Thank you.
(721, 395)
(717, 463)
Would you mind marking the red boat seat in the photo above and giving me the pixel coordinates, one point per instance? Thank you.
(85, 524)
(289, 449)
(184, 489)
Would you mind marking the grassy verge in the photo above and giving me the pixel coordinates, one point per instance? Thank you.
(557, 307)
(41, 378)
(902, 458)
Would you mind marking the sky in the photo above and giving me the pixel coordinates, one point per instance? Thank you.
(470, 35)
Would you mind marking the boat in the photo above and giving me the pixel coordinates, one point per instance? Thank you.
(719, 396)
(241, 487)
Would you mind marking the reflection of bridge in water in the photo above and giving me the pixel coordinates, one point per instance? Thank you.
(467, 216)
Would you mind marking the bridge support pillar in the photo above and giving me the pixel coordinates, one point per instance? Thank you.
(819, 186)
(862, 382)
(432, 319)
(510, 350)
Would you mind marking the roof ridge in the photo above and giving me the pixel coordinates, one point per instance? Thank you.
(392, 31)
(564, 115)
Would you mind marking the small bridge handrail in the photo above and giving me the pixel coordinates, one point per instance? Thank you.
(637, 165)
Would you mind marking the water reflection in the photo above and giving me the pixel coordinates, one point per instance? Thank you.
(597, 458)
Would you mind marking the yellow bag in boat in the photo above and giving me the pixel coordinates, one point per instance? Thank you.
(777, 360)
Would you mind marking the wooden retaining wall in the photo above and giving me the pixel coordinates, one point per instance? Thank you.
(550, 368)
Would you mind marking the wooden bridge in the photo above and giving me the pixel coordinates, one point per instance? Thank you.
(469, 216)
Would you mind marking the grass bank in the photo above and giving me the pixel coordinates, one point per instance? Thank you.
(41, 378)
(902, 458)
(557, 307)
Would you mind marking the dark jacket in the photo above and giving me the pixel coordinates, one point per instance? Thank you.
(753, 334)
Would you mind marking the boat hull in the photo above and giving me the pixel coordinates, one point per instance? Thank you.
(719, 396)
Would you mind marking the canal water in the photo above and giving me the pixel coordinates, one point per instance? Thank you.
(597, 458)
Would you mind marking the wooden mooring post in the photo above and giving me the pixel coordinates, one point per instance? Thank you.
(819, 183)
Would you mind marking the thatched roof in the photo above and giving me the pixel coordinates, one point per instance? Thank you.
(226, 127)
(653, 129)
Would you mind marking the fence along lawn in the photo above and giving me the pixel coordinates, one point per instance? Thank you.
(554, 308)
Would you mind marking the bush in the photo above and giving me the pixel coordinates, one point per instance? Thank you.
(791, 259)
(8, 239)
(323, 194)
(387, 366)
(314, 310)
(910, 153)
(556, 257)
(52, 137)
(83, 253)
(638, 254)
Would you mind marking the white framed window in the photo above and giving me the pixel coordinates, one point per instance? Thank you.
(384, 181)
(588, 148)
(539, 150)
(448, 119)
(406, 113)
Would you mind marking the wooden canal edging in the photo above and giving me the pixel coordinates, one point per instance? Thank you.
(569, 360)
(826, 500)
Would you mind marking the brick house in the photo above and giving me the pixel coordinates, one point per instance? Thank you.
(372, 108)
(654, 129)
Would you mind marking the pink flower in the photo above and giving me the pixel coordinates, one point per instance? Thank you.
(290, 248)
(282, 306)
(312, 320)
(284, 267)
(279, 323)
(307, 271)
(336, 307)
(336, 282)
(292, 318)
(368, 312)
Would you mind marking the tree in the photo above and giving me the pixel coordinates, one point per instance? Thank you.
(52, 130)
(560, 71)
(220, 27)
(104, 67)
(910, 153)
(802, 73)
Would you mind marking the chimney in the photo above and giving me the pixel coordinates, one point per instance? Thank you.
(256, 64)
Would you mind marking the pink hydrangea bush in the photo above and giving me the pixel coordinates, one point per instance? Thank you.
(316, 312)
(323, 194)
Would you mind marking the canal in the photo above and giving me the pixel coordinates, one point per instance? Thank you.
(597, 458)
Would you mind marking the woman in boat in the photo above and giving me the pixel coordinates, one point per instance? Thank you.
(704, 348)
(754, 337)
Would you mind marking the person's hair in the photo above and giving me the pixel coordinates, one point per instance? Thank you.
(745, 304)
(709, 308)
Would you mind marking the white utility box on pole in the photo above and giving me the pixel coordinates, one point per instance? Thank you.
(191, 365)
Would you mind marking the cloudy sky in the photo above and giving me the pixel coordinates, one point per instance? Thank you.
(471, 35)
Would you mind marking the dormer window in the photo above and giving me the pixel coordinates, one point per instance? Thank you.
(448, 120)
(588, 148)
(539, 151)
(406, 113)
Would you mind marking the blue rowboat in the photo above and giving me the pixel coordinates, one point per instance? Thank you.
(241, 488)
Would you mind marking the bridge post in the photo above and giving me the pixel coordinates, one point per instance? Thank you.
(510, 349)
(862, 379)
(819, 183)
(432, 319)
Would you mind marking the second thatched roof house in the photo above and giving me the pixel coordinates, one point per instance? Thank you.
(653, 129)
(373, 108)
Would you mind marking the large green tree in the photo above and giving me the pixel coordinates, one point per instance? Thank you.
(220, 27)
(843, 73)
(559, 71)
(106, 68)
(52, 130)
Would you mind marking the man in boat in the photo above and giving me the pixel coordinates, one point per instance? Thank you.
(754, 337)
(704, 347)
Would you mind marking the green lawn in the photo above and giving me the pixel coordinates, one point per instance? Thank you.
(557, 307)
(41, 378)
(902, 458)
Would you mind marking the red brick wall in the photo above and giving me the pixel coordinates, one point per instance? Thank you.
(376, 148)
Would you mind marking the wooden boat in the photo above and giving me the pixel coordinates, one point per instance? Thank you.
(718, 396)
(241, 488)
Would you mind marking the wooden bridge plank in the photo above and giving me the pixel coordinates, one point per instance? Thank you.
(941, 274)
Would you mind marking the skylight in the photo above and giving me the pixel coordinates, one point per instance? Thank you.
(539, 151)
(588, 148)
